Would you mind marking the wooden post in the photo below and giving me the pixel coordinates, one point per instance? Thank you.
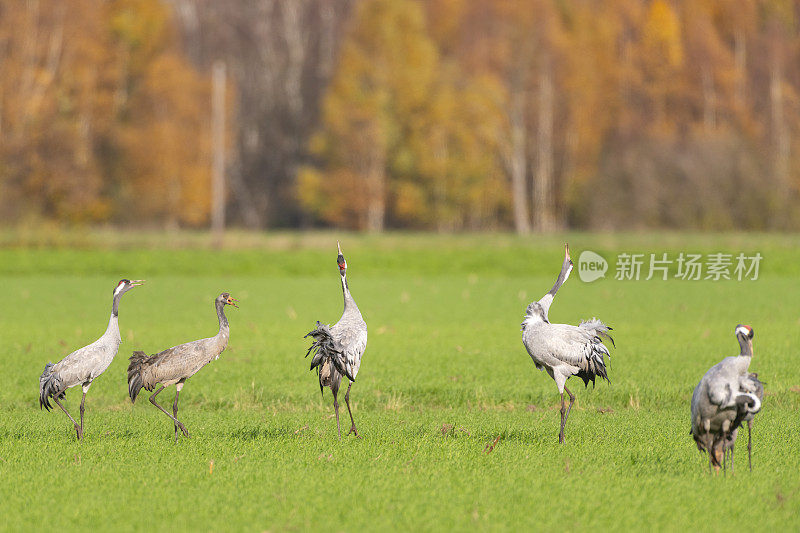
(218, 148)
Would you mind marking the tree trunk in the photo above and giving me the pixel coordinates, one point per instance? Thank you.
(780, 138)
(544, 204)
(376, 208)
(218, 147)
(296, 55)
(740, 58)
(709, 99)
(517, 162)
(375, 181)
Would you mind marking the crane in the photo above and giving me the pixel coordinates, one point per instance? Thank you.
(175, 365)
(338, 348)
(564, 350)
(752, 385)
(726, 396)
(746, 410)
(82, 366)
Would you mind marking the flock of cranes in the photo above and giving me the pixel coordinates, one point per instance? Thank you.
(726, 396)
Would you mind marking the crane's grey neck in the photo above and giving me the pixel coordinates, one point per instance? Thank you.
(223, 320)
(546, 300)
(566, 268)
(745, 345)
(115, 305)
(113, 327)
(346, 292)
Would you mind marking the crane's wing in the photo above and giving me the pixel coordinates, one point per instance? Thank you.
(81, 366)
(580, 347)
(178, 362)
(721, 382)
(751, 383)
(78, 367)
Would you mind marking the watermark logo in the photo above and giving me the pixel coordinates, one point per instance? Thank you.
(591, 266)
(683, 266)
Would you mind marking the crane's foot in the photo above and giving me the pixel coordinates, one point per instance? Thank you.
(183, 429)
(354, 431)
(79, 432)
(561, 438)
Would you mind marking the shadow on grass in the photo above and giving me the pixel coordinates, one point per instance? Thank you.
(270, 432)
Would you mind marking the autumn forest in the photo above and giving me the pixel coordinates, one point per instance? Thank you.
(442, 115)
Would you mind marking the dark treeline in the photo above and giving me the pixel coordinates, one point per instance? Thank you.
(447, 115)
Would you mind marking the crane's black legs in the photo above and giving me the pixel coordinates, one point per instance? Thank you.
(178, 387)
(718, 458)
(732, 471)
(77, 427)
(336, 410)
(347, 401)
(177, 422)
(83, 401)
(565, 413)
(175, 410)
(725, 452)
(749, 444)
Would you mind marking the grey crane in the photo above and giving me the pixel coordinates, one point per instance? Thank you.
(745, 412)
(175, 365)
(563, 350)
(338, 348)
(82, 366)
(727, 395)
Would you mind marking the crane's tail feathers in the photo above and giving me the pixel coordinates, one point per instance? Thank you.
(595, 366)
(139, 362)
(597, 327)
(50, 386)
(326, 347)
(594, 363)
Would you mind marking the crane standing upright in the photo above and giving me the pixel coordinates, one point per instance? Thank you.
(338, 348)
(726, 396)
(175, 365)
(563, 350)
(82, 366)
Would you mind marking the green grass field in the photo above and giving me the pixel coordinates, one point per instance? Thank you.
(444, 375)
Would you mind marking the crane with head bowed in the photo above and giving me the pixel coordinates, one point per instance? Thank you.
(745, 412)
(82, 366)
(564, 350)
(338, 349)
(175, 365)
(726, 396)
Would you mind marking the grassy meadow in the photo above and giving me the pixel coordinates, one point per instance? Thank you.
(459, 429)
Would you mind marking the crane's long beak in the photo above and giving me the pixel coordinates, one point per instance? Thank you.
(137, 282)
(232, 301)
(339, 247)
(566, 252)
